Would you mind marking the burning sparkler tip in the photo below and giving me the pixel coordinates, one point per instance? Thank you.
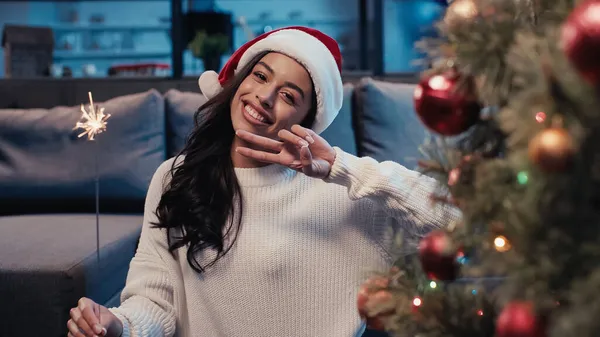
(92, 122)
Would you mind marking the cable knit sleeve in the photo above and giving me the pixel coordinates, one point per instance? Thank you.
(400, 193)
(147, 308)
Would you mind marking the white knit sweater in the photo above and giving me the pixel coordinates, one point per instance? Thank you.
(304, 248)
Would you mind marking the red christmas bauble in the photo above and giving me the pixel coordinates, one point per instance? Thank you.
(518, 319)
(580, 40)
(442, 107)
(438, 256)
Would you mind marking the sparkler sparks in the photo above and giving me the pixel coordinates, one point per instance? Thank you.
(93, 122)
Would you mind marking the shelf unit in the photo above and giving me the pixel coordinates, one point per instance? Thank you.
(104, 45)
(62, 55)
(61, 28)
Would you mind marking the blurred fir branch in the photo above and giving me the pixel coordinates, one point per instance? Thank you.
(459, 309)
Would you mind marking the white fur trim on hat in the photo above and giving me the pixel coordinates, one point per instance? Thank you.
(318, 61)
(209, 84)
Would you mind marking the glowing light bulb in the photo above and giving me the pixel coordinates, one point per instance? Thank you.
(540, 117)
(439, 82)
(465, 9)
(522, 178)
(501, 243)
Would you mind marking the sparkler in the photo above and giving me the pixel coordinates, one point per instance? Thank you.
(93, 122)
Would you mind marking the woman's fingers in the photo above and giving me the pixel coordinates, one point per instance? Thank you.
(292, 138)
(85, 320)
(262, 156)
(81, 325)
(97, 313)
(267, 143)
(74, 329)
(306, 157)
(295, 144)
(88, 310)
(307, 134)
(296, 165)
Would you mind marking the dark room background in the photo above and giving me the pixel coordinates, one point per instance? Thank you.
(90, 36)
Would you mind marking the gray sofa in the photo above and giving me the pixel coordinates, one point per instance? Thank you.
(47, 222)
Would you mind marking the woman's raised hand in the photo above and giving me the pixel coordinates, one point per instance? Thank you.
(90, 319)
(300, 149)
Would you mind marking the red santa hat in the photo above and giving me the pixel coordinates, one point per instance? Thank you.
(317, 52)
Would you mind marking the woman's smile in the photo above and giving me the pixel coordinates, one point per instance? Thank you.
(255, 116)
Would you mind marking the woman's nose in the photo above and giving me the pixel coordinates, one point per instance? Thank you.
(266, 97)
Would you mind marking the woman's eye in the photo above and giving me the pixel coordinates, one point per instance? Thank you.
(260, 76)
(288, 97)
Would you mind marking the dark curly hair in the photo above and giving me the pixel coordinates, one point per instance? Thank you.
(198, 206)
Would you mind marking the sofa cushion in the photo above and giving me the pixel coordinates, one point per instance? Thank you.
(47, 262)
(180, 109)
(389, 128)
(341, 131)
(45, 167)
(181, 106)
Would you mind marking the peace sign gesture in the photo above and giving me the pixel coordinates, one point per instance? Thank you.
(300, 149)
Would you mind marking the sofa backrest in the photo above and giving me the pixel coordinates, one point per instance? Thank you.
(46, 167)
(387, 127)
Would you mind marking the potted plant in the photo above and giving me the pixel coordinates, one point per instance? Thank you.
(209, 48)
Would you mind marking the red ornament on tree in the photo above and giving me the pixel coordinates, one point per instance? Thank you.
(580, 40)
(438, 256)
(518, 319)
(443, 107)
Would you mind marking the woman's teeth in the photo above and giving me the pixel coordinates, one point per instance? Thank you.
(255, 114)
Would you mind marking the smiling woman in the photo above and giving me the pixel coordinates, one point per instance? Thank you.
(259, 227)
(278, 94)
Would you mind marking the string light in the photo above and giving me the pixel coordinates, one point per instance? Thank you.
(453, 176)
(540, 117)
(464, 9)
(501, 243)
(522, 178)
(416, 303)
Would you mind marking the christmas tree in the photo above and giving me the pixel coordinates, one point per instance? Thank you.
(513, 99)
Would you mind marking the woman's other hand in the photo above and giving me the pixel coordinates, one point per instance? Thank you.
(90, 319)
(300, 149)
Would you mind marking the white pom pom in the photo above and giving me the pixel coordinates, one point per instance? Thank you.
(209, 84)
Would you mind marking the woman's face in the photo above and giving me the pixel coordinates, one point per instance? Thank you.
(276, 95)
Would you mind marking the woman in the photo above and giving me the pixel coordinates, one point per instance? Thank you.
(260, 227)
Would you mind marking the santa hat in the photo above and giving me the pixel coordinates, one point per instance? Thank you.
(317, 52)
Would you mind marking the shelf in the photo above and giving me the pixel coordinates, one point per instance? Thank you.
(104, 54)
(102, 27)
(304, 22)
